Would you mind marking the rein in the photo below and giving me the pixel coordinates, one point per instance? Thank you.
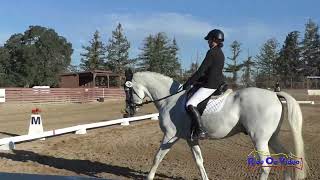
(147, 102)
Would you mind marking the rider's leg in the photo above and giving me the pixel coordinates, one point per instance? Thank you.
(199, 96)
(192, 104)
(196, 129)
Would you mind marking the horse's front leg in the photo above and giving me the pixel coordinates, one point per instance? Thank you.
(196, 152)
(165, 146)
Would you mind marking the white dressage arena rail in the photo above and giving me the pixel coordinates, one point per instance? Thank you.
(313, 92)
(302, 102)
(8, 143)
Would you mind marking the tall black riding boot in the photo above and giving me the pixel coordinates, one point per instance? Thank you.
(196, 131)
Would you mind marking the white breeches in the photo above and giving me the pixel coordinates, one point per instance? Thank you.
(199, 96)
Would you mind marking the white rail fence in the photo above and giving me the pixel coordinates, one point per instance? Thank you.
(9, 142)
(301, 102)
(314, 92)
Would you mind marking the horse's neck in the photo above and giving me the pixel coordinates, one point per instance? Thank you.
(159, 90)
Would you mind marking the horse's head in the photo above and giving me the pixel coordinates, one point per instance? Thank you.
(153, 85)
(135, 93)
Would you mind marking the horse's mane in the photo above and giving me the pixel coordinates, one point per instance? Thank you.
(155, 75)
(146, 77)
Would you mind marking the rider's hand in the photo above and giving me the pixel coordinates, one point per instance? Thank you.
(185, 86)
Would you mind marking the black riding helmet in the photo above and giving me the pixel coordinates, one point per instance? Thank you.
(215, 34)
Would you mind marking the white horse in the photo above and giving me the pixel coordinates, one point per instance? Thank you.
(252, 110)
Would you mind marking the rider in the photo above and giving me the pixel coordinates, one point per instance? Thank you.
(210, 77)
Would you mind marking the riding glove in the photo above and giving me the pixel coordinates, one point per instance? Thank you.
(185, 86)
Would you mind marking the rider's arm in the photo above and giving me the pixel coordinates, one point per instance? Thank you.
(202, 69)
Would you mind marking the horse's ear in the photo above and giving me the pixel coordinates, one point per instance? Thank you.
(129, 74)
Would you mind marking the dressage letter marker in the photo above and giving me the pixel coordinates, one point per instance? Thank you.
(35, 127)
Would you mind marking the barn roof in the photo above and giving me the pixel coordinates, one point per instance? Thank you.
(102, 72)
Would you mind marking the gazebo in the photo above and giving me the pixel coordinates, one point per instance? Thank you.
(90, 79)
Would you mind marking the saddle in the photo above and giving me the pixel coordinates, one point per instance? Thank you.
(215, 95)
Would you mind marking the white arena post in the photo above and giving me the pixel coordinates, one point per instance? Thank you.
(125, 123)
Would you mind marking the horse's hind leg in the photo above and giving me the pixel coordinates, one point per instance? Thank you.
(263, 153)
(278, 148)
(165, 146)
(196, 152)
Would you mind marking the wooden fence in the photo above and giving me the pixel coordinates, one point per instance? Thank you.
(61, 95)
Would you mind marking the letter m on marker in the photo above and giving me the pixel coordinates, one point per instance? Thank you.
(35, 121)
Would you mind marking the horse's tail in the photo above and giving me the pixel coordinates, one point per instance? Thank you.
(295, 121)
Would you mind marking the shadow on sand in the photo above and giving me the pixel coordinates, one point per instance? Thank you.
(9, 134)
(84, 167)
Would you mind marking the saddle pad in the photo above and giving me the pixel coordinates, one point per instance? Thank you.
(216, 104)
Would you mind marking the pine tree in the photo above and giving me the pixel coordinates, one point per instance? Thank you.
(118, 51)
(160, 55)
(310, 51)
(247, 68)
(266, 60)
(193, 68)
(73, 68)
(146, 57)
(173, 60)
(288, 64)
(234, 67)
(94, 56)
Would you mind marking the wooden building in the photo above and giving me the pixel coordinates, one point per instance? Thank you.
(90, 79)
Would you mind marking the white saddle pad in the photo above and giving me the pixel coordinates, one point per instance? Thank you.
(215, 105)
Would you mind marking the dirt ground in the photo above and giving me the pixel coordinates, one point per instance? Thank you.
(126, 152)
